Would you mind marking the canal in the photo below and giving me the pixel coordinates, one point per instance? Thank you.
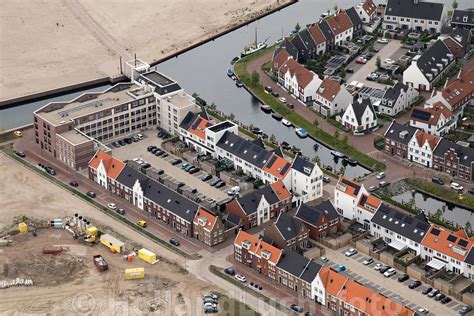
(452, 213)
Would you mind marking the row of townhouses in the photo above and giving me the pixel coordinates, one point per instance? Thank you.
(155, 199)
(311, 280)
(303, 178)
(439, 247)
(72, 131)
(408, 142)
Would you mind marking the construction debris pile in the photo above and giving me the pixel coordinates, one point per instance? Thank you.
(16, 282)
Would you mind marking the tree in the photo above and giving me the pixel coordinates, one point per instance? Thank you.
(455, 4)
(438, 214)
(297, 27)
(316, 122)
(335, 8)
(342, 73)
(316, 160)
(370, 48)
(468, 227)
(255, 77)
(231, 116)
(378, 62)
(273, 139)
(213, 106)
(342, 170)
(336, 134)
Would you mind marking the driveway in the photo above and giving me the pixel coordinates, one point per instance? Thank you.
(390, 287)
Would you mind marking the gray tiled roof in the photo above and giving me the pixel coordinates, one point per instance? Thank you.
(470, 257)
(189, 119)
(326, 29)
(412, 227)
(302, 165)
(422, 10)
(312, 214)
(249, 202)
(307, 39)
(288, 226)
(298, 265)
(394, 130)
(244, 149)
(393, 93)
(460, 15)
(311, 271)
(433, 56)
(359, 106)
(465, 154)
(354, 17)
(160, 194)
(290, 48)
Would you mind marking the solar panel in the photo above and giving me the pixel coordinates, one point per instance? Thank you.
(398, 216)
(285, 168)
(462, 242)
(435, 231)
(420, 115)
(196, 123)
(408, 220)
(271, 162)
(452, 238)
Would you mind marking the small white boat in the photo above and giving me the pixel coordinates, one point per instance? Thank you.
(254, 47)
(301, 132)
(337, 154)
(286, 123)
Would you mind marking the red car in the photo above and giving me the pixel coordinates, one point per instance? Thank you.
(361, 60)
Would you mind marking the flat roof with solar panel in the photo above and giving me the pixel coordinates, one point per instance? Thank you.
(435, 231)
(420, 115)
(462, 242)
(452, 238)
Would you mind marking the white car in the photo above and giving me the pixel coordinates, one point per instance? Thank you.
(378, 266)
(112, 206)
(389, 61)
(282, 100)
(382, 40)
(240, 278)
(351, 252)
(380, 175)
(389, 272)
(367, 261)
(456, 186)
(422, 311)
(139, 136)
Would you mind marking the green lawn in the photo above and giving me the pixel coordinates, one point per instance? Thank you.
(240, 68)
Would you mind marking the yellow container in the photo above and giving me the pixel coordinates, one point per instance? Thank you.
(147, 255)
(22, 227)
(92, 231)
(113, 243)
(135, 273)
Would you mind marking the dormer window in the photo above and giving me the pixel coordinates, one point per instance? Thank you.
(266, 254)
(246, 244)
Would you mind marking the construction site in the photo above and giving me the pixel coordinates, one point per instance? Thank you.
(56, 251)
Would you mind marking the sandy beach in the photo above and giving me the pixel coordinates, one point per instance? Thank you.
(52, 43)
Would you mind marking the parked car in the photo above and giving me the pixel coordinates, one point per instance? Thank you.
(439, 297)
(120, 211)
(275, 94)
(373, 188)
(175, 162)
(389, 61)
(180, 184)
(91, 194)
(159, 171)
(20, 154)
(403, 277)
(414, 284)
(368, 55)
(214, 182)
(174, 242)
(349, 70)
(383, 184)
(372, 77)
(422, 311)
(326, 179)
(382, 41)
(240, 278)
(324, 259)
(456, 186)
(268, 89)
(18, 133)
(141, 223)
(296, 308)
(229, 271)
(189, 168)
(380, 175)
(433, 293)
(220, 184)
(437, 180)
(209, 299)
(390, 272)
(340, 268)
(195, 170)
(378, 266)
(384, 269)
(465, 309)
(74, 184)
(368, 261)
(282, 100)
(50, 170)
(446, 300)
(471, 191)
(185, 165)
(350, 252)
(206, 177)
(150, 148)
(361, 60)
(426, 290)
(112, 206)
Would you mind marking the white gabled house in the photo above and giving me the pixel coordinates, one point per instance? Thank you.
(331, 98)
(305, 180)
(396, 99)
(429, 67)
(366, 11)
(298, 80)
(435, 119)
(359, 116)
(421, 148)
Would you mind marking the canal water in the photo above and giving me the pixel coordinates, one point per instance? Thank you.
(452, 213)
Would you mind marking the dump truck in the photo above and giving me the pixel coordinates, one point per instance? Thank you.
(135, 273)
(100, 263)
(115, 245)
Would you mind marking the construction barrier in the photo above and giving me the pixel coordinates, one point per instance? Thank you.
(135, 273)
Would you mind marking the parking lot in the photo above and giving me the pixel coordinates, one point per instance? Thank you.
(388, 286)
(171, 172)
(391, 50)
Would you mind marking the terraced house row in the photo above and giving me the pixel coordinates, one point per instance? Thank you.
(311, 280)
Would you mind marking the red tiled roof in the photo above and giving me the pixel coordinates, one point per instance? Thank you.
(369, 200)
(278, 164)
(369, 7)
(332, 281)
(208, 219)
(279, 59)
(352, 190)
(435, 112)
(437, 238)
(244, 236)
(460, 88)
(316, 34)
(280, 190)
(339, 23)
(329, 89)
(303, 75)
(113, 166)
(274, 252)
(422, 137)
(198, 126)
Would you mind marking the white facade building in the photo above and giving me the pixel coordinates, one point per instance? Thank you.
(331, 98)
(421, 148)
(359, 116)
(397, 99)
(305, 180)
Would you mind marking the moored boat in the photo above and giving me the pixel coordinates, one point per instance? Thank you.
(285, 145)
(239, 83)
(257, 130)
(230, 72)
(277, 116)
(301, 132)
(351, 161)
(286, 123)
(337, 154)
(266, 108)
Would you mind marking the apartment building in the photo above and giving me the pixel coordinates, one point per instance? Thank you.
(305, 179)
(454, 159)
(421, 148)
(72, 131)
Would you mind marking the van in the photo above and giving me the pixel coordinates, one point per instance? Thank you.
(234, 190)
